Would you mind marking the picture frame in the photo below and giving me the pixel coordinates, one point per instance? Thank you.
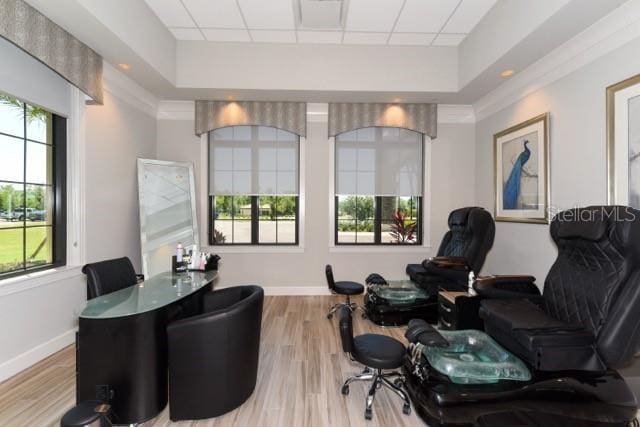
(623, 142)
(521, 172)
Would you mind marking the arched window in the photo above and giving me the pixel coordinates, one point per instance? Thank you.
(379, 186)
(253, 186)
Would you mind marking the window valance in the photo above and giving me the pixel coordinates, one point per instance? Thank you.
(289, 116)
(344, 117)
(49, 43)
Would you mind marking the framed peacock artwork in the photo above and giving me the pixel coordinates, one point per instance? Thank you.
(522, 171)
(623, 142)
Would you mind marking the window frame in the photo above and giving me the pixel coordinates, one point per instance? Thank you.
(255, 217)
(59, 191)
(420, 233)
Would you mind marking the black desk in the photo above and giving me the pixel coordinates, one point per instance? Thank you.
(122, 342)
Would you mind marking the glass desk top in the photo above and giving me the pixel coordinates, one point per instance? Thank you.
(399, 291)
(156, 292)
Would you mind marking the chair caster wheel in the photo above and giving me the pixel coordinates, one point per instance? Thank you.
(329, 316)
(368, 414)
(398, 383)
(406, 409)
(345, 390)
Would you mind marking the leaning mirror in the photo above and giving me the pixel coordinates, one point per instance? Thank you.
(167, 212)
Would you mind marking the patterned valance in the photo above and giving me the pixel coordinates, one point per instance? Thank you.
(344, 117)
(290, 116)
(46, 41)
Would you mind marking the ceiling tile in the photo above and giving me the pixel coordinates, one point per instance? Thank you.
(273, 36)
(226, 35)
(372, 15)
(467, 15)
(411, 39)
(186, 33)
(216, 13)
(365, 38)
(425, 16)
(171, 13)
(448, 39)
(268, 14)
(329, 37)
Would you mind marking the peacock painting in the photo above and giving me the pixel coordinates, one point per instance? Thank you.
(511, 190)
(521, 165)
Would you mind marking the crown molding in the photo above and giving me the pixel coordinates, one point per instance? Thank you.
(609, 33)
(456, 114)
(176, 110)
(125, 89)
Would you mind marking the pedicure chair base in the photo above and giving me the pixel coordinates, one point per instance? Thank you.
(551, 399)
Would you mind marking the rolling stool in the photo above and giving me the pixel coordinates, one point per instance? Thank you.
(377, 353)
(88, 413)
(343, 287)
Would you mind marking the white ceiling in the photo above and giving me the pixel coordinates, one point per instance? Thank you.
(368, 22)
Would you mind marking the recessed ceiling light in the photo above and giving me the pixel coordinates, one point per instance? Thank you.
(124, 66)
(507, 73)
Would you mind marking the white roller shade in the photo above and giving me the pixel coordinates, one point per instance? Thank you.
(253, 160)
(379, 161)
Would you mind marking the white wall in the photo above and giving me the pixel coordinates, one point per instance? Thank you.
(39, 314)
(292, 67)
(116, 135)
(577, 149)
(36, 320)
(294, 270)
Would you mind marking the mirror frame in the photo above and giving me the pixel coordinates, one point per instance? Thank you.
(192, 189)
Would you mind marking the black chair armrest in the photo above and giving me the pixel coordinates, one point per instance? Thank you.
(446, 262)
(455, 273)
(507, 286)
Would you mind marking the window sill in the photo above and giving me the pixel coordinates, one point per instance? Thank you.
(36, 279)
(386, 249)
(255, 249)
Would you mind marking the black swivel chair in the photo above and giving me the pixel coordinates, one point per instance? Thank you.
(463, 249)
(109, 276)
(377, 353)
(342, 287)
(587, 318)
(213, 357)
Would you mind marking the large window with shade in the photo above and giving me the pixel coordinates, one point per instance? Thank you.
(253, 186)
(32, 188)
(378, 186)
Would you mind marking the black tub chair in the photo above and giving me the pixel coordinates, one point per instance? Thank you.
(463, 249)
(213, 357)
(584, 325)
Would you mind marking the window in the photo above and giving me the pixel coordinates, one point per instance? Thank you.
(253, 186)
(378, 187)
(32, 188)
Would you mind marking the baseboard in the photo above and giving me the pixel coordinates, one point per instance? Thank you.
(29, 358)
(296, 290)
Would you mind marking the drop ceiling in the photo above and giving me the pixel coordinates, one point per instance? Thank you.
(362, 22)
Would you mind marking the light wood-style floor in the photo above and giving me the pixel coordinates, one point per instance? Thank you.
(301, 370)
